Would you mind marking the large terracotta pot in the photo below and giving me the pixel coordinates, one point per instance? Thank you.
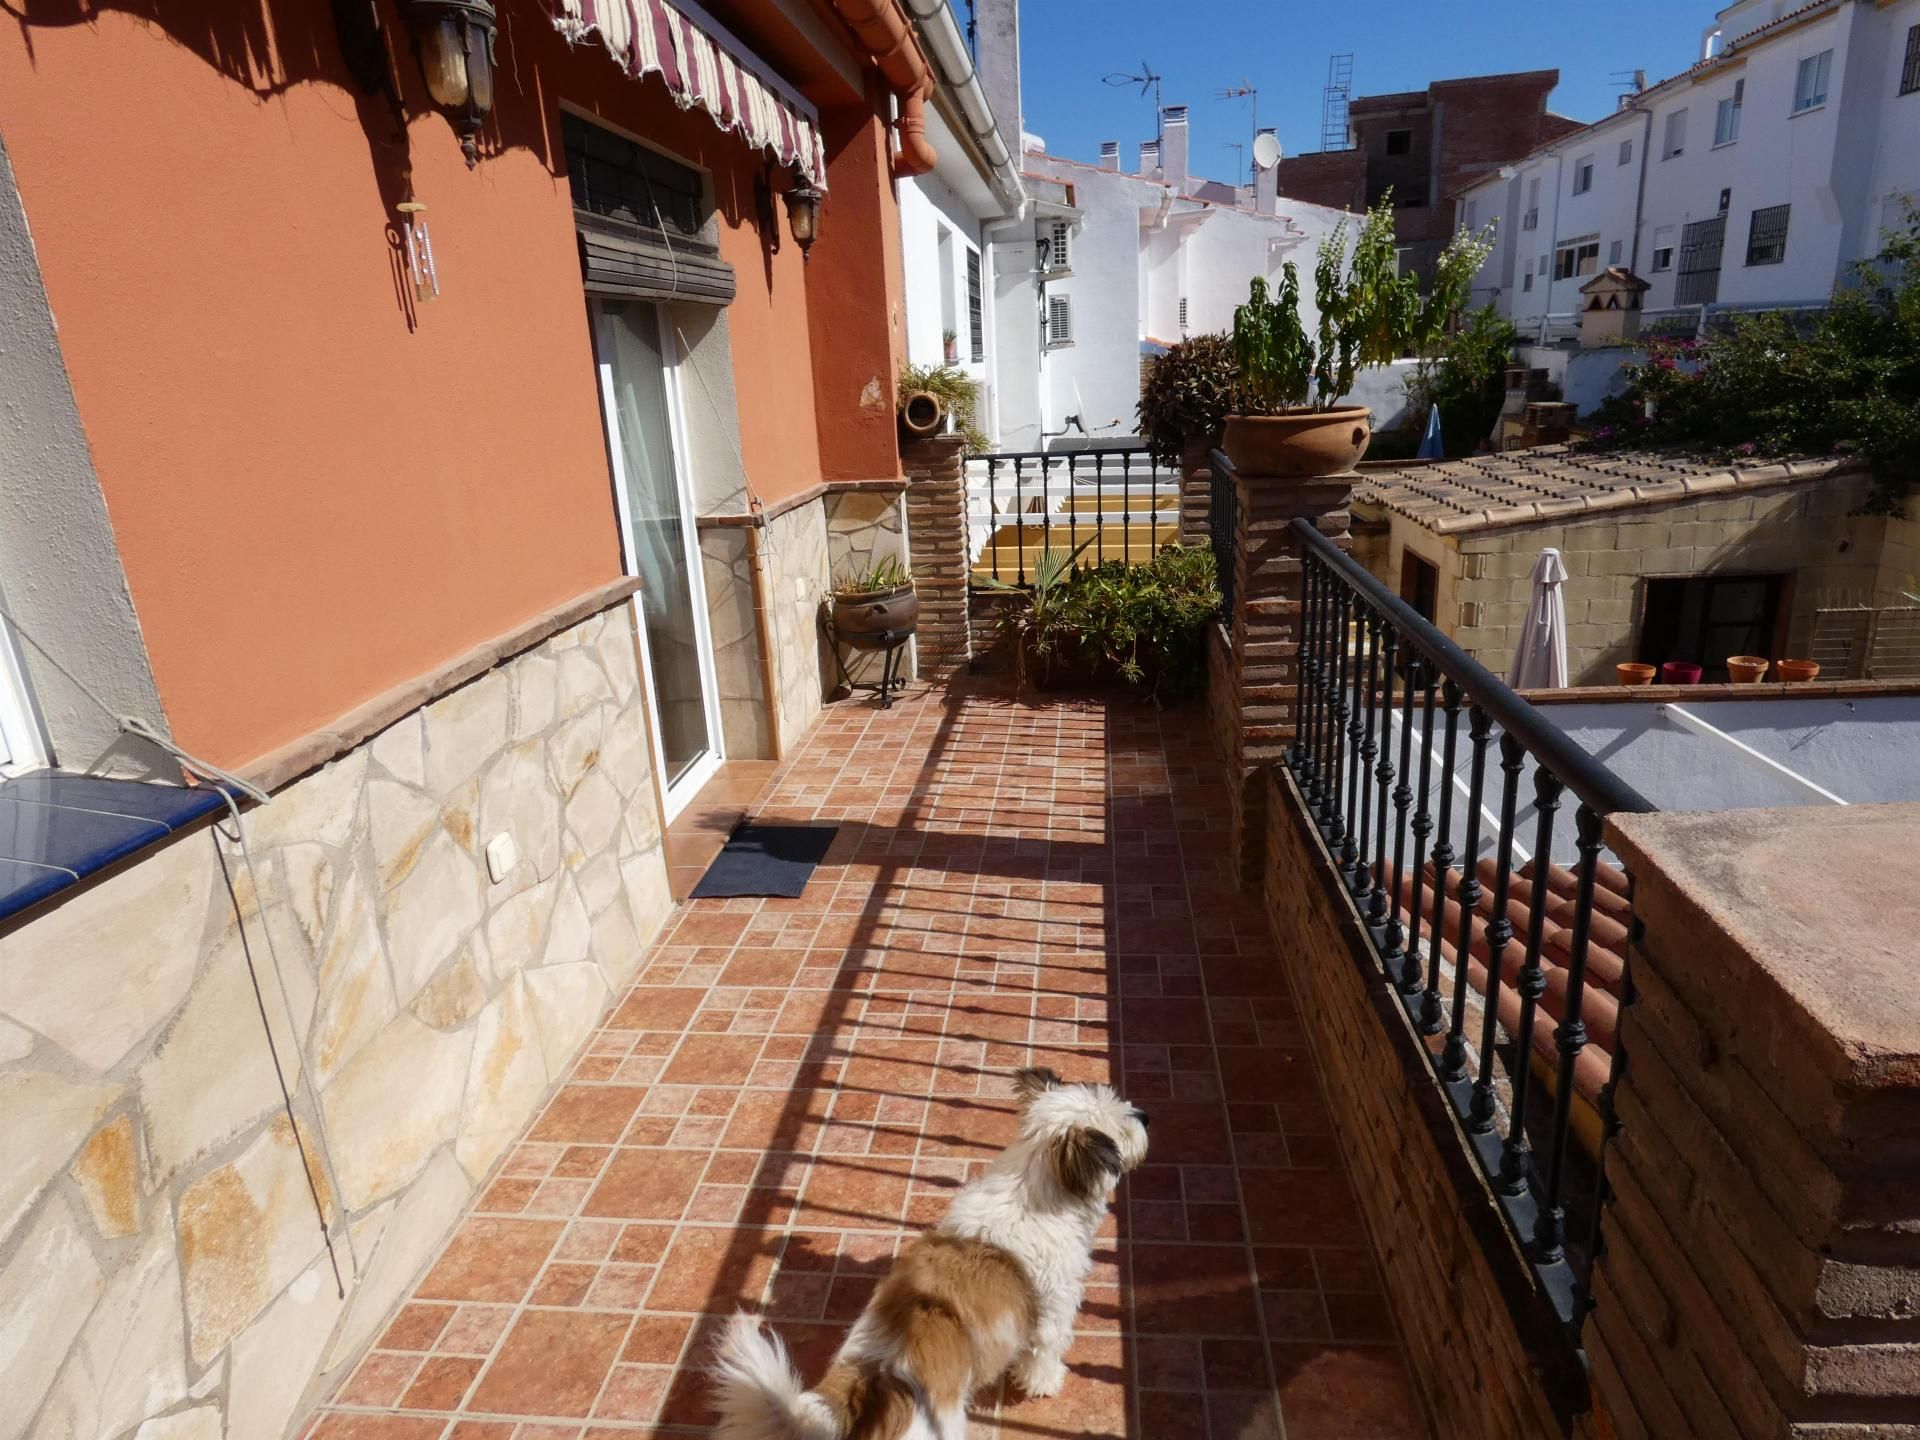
(1299, 442)
(921, 413)
(861, 620)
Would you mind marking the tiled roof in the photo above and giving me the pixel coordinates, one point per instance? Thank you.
(1606, 957)
(1554, 482)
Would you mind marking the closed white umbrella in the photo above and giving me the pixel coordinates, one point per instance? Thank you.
(1540, 659)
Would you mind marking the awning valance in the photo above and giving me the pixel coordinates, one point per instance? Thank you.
(703, 66)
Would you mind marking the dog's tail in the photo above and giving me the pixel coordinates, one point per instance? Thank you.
(758, 1393)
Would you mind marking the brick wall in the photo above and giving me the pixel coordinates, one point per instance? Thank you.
(937, 541)
(1458, 1289)
(1760, 1275)
(1327, 177)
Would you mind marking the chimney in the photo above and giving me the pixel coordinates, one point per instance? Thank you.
(1149, 159)
(1173, 148)
(1109, 154)
(996, 55)
(1266, 181)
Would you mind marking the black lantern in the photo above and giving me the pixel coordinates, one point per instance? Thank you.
(803, 212)
(455, 41)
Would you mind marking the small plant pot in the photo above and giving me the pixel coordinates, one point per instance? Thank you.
(921, 413)
(1299, 442)
(1747, 669)
(863, 620)
(1633, 673)
(1797, 672)
(1679, 672)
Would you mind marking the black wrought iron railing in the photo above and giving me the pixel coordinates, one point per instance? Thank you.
(1223, 518)
(1120, 504)
(1485, 936)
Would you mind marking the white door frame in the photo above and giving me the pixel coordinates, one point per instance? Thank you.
(674, 796)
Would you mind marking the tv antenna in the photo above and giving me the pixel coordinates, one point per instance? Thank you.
(1145, 78)
(1248, 92)
(1239, 158)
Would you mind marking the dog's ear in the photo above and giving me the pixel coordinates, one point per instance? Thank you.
(1030, 1084)
(1084, 1161)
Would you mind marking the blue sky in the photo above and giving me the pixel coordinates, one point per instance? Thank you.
(1281, 47)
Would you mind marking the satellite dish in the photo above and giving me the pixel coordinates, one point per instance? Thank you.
(1266, 150)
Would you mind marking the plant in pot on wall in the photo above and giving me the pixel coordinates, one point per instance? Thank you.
(1370, 316)
(874, 607)
(941, 400)
(1191, 389)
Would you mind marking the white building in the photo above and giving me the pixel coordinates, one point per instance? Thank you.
(1755, 179)
(945, 215)
(1121, 264)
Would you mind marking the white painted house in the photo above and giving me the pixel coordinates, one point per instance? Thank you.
(1754, 179)
(1121, 264)
(946, 216)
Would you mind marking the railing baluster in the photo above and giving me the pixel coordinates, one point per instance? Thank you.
(1432, 1011)
(1453, 1059)
(1317, 675)
(1393, 942)
(1382, 709)
(993, 513)
(1549, 1231)
(1353, 851)
(1046, 502)
(1609, 1127)
(1302, 653)
(1334, 821)
(1073, 509)
(1411, 981)
(1513, 756)
(1020, 518)
(1099, 508)
(1126, 508)
(1516, 1156)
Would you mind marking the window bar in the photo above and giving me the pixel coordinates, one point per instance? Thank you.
(993, 513)
(1126, 507)
(1020, 518)
(1073, 510)
(1334, 819)
(1353, 853)
(1302, 650)
(1378, 903)
(1411, 982)
(1432, 1017)
(1513, 756)
(1516, 1156)
(1549, 1229)
(1453, 1058)
(1099, 508)
(1394, 941)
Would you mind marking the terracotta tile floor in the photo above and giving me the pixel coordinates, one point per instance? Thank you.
(699, 831)
(792, 1087)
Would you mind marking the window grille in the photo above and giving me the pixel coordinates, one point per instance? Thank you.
(1810, 82)
(1059, 249)
(1701, 246)
(610, 175)
(1910, 67)
(1183, 314)
(1059, 320)
(976, 318)
(1767, 236)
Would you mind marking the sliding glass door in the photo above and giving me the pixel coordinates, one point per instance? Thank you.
(639, 401)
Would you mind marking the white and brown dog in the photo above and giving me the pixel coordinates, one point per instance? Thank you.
(992, 1289)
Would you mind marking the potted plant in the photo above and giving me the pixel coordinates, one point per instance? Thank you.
(875, 604)
(950, 343)
(941, 399)
(1370, 316)
(1191, 389)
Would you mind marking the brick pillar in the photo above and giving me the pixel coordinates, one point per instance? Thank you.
(1760, 1265)
(1196, 492)
(937, 540)
(1254, 716)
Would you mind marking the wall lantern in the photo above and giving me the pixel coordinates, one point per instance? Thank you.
(803, 213)
(455, 42)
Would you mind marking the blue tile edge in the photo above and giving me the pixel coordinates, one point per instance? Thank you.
(104, 822)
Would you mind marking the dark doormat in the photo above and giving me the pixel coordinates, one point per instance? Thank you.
(770, 860)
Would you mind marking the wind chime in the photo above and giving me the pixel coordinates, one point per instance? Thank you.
(419, 249)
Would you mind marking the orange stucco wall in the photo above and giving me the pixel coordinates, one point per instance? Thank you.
(319, 493)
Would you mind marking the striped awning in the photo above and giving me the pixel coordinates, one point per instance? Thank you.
(702, 69)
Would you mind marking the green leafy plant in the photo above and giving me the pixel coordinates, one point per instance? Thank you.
(957, 392)
(876, 579)
(1144, 623)
(1370, 314)
(1190, 390)
(1464, 373)
(1773, 384)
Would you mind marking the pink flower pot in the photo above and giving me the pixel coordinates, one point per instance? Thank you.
(1679, 672)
